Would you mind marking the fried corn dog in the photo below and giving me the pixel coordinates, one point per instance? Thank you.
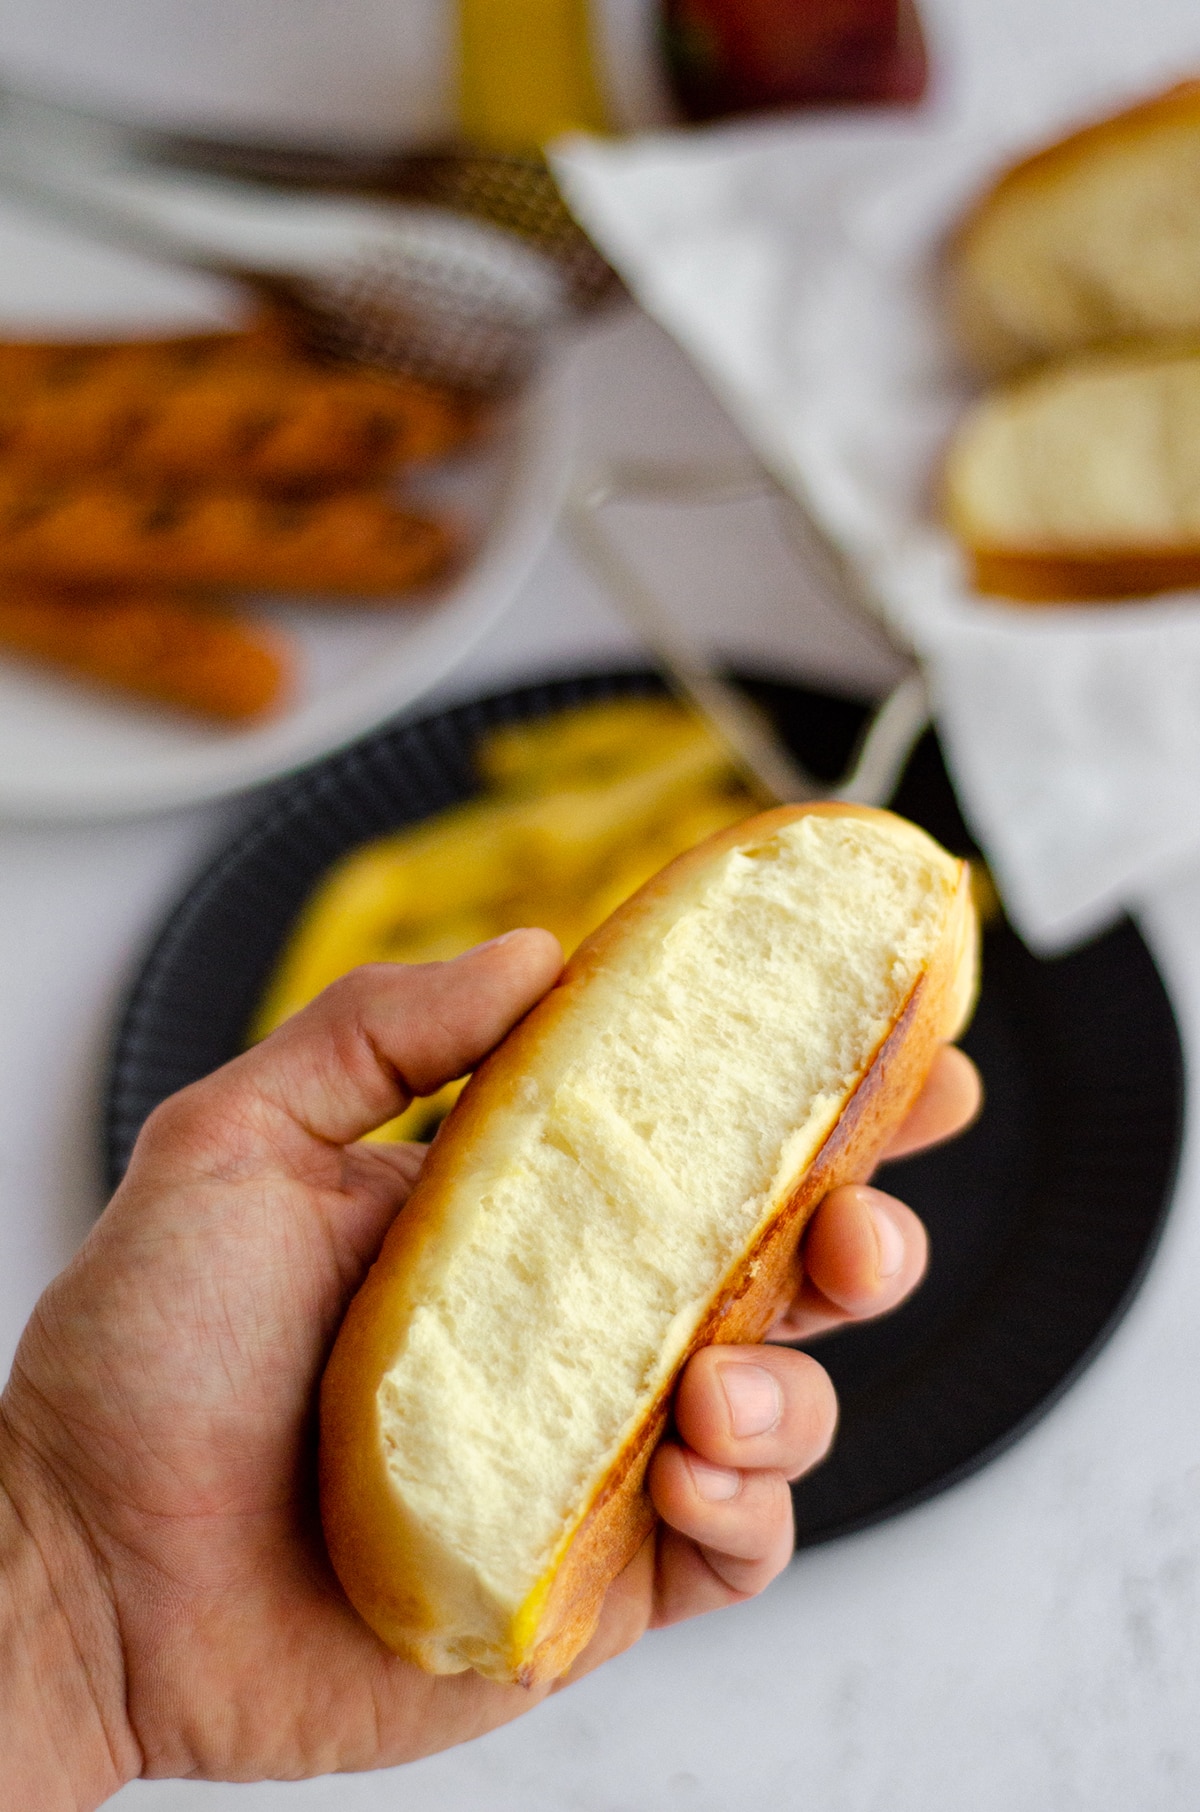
(100, 533)
(154, 647)
(228, 407)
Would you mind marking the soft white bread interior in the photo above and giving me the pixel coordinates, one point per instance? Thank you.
(624, 1179)
(1083, 480)
(1094, 239)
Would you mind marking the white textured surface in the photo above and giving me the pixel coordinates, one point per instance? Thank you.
(1028, 1643)
(798, 262)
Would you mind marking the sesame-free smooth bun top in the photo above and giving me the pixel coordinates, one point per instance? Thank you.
(604, 1175)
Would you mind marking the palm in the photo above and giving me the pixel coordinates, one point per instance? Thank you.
(188, 1448)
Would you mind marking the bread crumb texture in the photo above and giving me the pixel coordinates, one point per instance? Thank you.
(659, 1130)
(1103, 453)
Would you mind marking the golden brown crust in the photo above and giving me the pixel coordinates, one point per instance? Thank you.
(996, 345)
(215, 409)
(91, 532)
(1179, 104)
(1107, 576)
(1175, 106)
(749, 1301)
(154, 646)
(378, 1553)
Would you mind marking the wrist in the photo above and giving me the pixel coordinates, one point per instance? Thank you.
(67, 1742)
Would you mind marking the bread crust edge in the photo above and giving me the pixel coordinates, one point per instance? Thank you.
(1108, 576)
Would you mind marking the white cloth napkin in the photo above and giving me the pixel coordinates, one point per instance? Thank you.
(798, 264)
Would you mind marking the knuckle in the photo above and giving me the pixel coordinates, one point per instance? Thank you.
(755, 1529)
(211, 1124)
(766, 1501)
(349, 994)
(177, 1122)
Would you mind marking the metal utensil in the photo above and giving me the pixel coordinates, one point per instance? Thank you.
(413, 288)
(892, 730)
(513, 190)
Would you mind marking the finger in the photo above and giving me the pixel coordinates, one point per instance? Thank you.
(376, 1182)
(750, 1408)
(748, 1417)
(727, 1533)
(951, 1099)
(864, 1252)
(359, 1053)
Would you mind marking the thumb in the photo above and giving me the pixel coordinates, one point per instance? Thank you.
(359, 1053)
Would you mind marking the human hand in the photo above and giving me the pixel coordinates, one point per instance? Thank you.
(157, 1435)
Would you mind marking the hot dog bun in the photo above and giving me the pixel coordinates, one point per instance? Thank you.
(1082, 480)
(623, 1181)
(1092, 240)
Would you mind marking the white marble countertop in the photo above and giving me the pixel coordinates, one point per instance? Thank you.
(1029, 1640)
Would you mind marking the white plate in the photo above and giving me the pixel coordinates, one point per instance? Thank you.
(69, 754)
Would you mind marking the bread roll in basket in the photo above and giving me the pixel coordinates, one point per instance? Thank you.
(1082, 480)
(1092, 241)
(624, 1180)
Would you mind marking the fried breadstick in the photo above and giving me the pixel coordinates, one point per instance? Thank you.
(155, 647)
(226, 408)
(62, 363)
(103, 534)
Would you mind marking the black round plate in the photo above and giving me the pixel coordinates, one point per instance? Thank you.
(1042, 1218)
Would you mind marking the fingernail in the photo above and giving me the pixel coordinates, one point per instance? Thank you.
(715, 1484)
(889, 1239)
(492, 943)
(754, 1398)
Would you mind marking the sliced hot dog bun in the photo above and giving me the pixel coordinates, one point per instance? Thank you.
(1094, 239)
(1083, 480)
(624, 1180)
